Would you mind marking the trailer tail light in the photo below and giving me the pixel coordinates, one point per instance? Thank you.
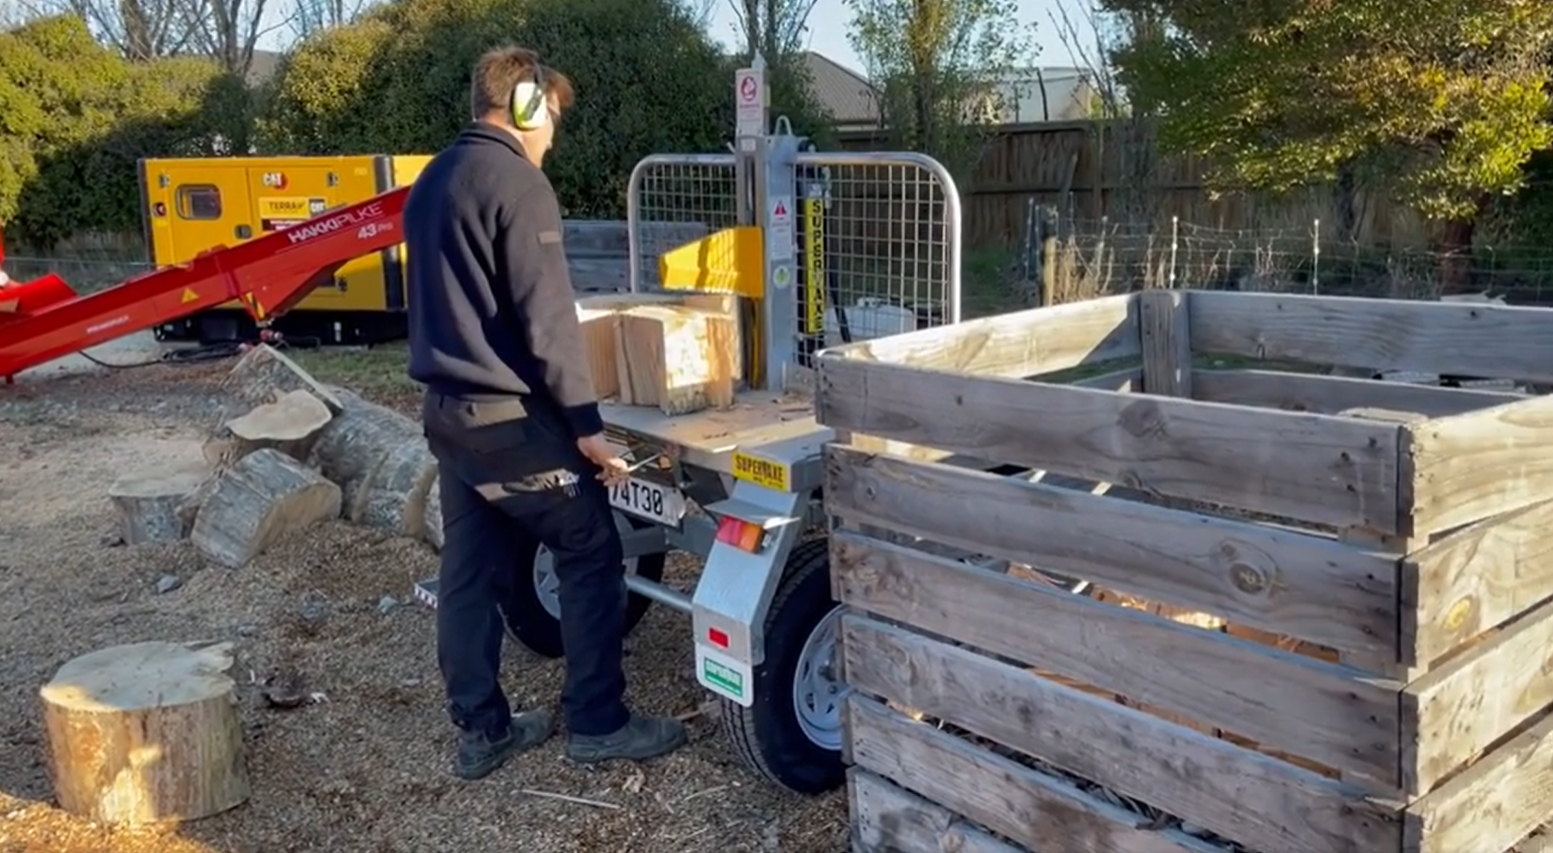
(740, 534)
(717, 637)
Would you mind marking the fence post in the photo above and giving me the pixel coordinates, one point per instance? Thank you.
(1175, 239)
(1315, 258)
(1048, 255)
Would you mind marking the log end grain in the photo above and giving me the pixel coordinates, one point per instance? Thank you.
(146, 733)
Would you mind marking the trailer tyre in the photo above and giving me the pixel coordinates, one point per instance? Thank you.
(791, 735)
(532, 613)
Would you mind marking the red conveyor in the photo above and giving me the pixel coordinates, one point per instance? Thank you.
(44, 319)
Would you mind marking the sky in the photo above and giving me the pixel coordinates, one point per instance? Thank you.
(830, 22)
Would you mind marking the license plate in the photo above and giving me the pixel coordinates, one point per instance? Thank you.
(648, 500)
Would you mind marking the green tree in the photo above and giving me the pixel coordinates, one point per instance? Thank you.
(648, 79)
(939, 66)
(1439, 103)
(74, 119)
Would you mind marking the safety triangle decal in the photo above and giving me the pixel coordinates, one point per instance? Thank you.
(189, 296)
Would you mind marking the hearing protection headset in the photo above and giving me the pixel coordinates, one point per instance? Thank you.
(529, 109)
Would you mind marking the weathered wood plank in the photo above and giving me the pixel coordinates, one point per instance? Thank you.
(1020, 344)
(1328, 395)
(889, 819)
(1259, 801)
(1479, 464)
(1324, 712)
(1034, 809)
(1167, 347)
(1315, 468)
(1493, 804)
(1476, 578)
(1454, 713)
(1491, 341)
(1278, 580)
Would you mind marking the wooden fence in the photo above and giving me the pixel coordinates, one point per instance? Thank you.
(1089, 170)
(1315, 611)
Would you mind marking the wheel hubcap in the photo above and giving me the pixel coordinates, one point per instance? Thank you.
(548, 587)
(818, 691)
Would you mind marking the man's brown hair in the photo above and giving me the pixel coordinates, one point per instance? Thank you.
(499, 71)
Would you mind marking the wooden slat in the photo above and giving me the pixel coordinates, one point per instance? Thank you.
(1167, 350)
(1316, 468)
(1032, 808)
(1328, 395)
(1020, 344)
(1479, 464)
(1491, 805)
(889, 819)
(1261, 802)
(1279, 580)
(1460, 709)
(1324, 712)
(1491, 341)
(1476, 578)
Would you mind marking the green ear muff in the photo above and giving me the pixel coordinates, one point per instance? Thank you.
(529, 110)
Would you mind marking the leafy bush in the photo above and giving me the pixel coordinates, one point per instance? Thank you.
(74, 119)
(648, 80)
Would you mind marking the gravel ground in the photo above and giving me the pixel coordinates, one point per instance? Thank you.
(364, 770)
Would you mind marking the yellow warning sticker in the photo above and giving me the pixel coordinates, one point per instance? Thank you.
(189, 296)
(761, 472)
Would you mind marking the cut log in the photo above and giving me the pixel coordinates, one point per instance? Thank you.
(393, 495)
(148, 501)
(262, 498)
(352, 447)
(432, 529)
(290, 424)
(678, 358)
(189, 508)
(146, 733)
(264, 375)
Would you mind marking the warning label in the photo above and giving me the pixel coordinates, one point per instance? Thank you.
(188, 296)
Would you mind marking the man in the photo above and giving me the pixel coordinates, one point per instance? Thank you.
(511, 416)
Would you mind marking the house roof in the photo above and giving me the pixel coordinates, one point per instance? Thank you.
(845, 94)
(265, 64)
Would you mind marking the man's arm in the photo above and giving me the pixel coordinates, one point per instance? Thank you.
(541, 289)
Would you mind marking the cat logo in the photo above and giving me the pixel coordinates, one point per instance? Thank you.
(274, 180)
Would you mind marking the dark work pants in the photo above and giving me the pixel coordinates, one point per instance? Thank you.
(509, 484)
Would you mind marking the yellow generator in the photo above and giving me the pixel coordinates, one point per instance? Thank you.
(196, 204)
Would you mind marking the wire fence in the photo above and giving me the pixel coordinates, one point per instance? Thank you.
(88, 264)
(1086, 258)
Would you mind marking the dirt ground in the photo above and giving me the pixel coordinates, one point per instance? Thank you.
(364, 771)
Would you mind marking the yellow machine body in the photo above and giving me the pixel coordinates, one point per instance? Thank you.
(192, 205)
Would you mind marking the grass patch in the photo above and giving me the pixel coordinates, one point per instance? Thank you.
(379, 373)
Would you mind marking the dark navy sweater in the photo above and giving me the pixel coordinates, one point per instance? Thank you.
(491, 308)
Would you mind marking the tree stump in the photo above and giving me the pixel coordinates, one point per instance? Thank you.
(261, 499)
(290, 425)
(148, 502)
(146, 733)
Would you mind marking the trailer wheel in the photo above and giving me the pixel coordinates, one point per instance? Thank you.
(791, 735)
(532, 613)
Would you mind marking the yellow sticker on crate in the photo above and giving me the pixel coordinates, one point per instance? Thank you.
(761, 472)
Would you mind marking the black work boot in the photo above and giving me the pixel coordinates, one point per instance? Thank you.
(479, 753)
(638, 740)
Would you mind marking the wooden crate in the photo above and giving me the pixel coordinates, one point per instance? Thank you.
(1347, 641)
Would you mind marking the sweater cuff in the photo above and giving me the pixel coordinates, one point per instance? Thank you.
(585, 420)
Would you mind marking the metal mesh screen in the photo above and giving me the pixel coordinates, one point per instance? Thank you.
(674, 199)
(881, 234)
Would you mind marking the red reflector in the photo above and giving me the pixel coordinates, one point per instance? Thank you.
(717, 637)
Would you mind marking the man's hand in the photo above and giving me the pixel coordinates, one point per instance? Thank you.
(612, 469)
